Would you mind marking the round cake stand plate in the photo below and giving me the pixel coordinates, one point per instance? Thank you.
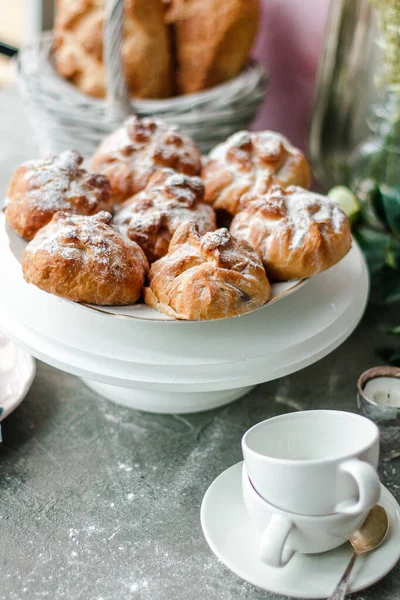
(178, 366)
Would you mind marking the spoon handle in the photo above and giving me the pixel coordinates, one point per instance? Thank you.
(339, 592)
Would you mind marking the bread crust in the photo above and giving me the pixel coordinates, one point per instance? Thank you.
(213, 39)
(40, 188)
(209, 277)
(147, 54)
(297, 233)
(85, 259)
(130, 155)
(251, 162)
(151, 217)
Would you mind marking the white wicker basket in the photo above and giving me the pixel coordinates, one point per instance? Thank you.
(63, 117)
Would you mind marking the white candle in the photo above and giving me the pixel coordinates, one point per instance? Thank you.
(384, 391)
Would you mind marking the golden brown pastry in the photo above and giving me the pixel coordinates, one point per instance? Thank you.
(85, 259)
(251, 162)
(209, 277)
(212, 38)
(130, 155)
(153, 215)
(40, 188)
(297, 233)
(78, 47)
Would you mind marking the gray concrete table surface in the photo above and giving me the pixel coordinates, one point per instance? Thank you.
(98, 502)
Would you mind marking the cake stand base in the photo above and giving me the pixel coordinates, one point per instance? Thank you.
(166, 402)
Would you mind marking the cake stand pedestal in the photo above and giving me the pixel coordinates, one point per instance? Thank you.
(181, 366)
(170, 402)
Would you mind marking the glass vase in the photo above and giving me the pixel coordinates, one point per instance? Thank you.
(355, 128)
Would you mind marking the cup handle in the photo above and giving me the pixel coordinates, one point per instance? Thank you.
(367, 481)
(272, 547)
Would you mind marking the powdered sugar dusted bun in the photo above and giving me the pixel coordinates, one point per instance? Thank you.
(40, 188)
(130, 155)
(209, 277)
(297, 233)
(85, 259)
(151, 217)
(251, 162)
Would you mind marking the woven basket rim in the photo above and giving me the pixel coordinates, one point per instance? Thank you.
(43, 45)
(63, 117)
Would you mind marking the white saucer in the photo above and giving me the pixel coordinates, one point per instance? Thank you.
(17, 371)
(233, 540)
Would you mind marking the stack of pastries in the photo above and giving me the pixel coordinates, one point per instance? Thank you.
(170, 46)
(144, 226)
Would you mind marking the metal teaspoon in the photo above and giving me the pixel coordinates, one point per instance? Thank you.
(368, 537)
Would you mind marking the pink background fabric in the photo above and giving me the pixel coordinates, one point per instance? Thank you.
(288, 45)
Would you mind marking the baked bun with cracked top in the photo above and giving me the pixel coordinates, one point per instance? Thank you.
(207, 277)
(146, 50)
(153, 215)
(85, 259)
(297, 233)
(130, 155)
(40, 188)
(212, 38)
(251, 162)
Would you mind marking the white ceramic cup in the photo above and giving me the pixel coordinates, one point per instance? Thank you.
(282, 534)
(315, 462)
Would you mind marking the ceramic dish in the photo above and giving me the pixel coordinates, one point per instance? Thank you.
(17, 371)
(159, 367)
(233, 539)
(142, 311)
(156, 366)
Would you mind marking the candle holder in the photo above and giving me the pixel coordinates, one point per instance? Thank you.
(378, 399)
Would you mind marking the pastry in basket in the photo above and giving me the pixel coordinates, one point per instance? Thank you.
(130, 155)
(250, 162)
(297, 233)
(153, 215)
(207, 277)
(85, 259)
(212, 39)
(40, 188)
(78, 47)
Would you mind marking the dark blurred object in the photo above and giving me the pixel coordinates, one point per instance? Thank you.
(8, 50)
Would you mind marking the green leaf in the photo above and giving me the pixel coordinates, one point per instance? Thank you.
(376, 260)
(380, 249)
(390, 355)
(375, 245)
(391, 259)
(394, 330)
(389, 284)
(391, 205)
(376, 199)
(371, 237)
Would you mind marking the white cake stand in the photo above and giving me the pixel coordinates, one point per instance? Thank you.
(180, 366)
